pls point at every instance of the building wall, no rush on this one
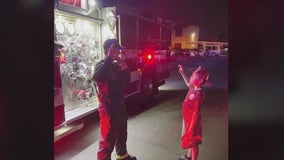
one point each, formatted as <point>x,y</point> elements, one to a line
<point>188,39</point>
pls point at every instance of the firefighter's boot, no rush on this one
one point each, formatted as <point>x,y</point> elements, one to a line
<point>126,156</point>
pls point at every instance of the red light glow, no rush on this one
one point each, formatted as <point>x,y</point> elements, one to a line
<point>149,57</point>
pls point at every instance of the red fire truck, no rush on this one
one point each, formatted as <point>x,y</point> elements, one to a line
<point>82,32</point>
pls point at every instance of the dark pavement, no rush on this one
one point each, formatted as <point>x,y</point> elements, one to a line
<point>154,131</point>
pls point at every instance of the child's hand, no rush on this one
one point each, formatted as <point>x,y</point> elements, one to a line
<point>180,68</point>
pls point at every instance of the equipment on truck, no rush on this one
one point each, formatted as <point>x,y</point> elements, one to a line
<point>82,32</point>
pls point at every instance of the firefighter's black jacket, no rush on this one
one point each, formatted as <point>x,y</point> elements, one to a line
<point>110,79</point>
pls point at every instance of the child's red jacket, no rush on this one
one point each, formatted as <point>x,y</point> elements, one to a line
<point>192,136</point>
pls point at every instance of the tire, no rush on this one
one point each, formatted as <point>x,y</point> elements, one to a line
<point>147,88</point>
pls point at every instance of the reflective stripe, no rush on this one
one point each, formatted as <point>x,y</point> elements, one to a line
<point>121,157</point>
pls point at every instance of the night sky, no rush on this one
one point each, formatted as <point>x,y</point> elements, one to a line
<point>210,16</point>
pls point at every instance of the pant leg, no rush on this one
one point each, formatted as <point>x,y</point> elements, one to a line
<point>107,135</point>
<point>120,144</point>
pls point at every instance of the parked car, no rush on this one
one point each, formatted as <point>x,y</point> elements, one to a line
<point>225,52</point>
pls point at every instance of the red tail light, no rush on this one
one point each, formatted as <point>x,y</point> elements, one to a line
<point>148,56</point>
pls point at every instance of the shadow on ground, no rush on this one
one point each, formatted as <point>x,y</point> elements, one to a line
<point>136,105</point>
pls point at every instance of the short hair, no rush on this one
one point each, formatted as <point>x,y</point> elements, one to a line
<point>109,42</point>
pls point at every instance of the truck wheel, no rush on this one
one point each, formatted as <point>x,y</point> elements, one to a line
<point>146,93</point>
<point>148,88</point>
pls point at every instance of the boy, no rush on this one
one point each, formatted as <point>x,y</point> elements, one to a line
<point>191,109</point>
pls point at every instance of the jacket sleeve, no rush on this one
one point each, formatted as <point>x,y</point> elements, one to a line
<point>101,70</point>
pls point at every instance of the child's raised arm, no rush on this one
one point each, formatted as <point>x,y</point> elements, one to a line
<point>184,76</point>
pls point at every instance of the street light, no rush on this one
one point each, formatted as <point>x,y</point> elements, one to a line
<point>192,38</point>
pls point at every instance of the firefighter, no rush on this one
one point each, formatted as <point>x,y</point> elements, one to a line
<point>110,76</point>
<point>191,111</point>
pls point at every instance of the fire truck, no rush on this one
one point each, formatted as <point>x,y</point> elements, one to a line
<point>82,28</point>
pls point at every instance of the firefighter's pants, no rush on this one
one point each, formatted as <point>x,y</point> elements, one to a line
<point>113,132</point>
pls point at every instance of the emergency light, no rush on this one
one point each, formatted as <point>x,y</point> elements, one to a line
<point>148,55</point>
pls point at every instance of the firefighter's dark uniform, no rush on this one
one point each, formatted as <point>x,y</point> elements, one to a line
<point>110,79</point>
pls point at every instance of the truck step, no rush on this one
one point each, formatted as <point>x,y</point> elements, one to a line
<point>66,130</point>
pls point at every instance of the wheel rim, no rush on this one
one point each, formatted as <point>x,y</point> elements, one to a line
<point>148,87</point>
